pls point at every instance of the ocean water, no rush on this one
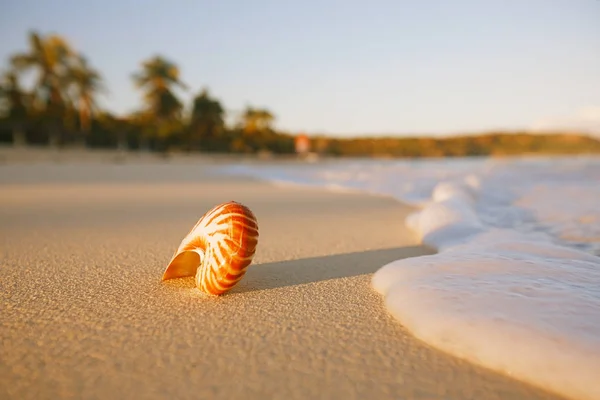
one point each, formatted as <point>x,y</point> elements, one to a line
<point>515,285</point>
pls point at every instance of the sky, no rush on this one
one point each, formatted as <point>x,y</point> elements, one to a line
<point>346,68</point>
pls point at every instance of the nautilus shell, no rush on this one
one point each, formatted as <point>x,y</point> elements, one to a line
<point>218,249</point>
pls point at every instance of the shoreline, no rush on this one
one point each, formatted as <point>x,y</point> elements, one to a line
<point>88,317</point>
<point>40,154</point>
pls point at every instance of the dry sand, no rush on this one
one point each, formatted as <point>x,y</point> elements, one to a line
<point>84,315</point>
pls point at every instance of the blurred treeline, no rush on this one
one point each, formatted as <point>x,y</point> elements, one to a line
<point>495,144</point>
<point>61,109</point>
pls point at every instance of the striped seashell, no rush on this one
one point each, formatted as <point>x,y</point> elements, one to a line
<point>218,249</point>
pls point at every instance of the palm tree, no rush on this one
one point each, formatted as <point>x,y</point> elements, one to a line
<point>49,56</point>
<point>86,82</point>
<point>254,131</point>
<point>158,78</point>
<point>16,101</point>
<point>207,120</point>
<point>256,120</point>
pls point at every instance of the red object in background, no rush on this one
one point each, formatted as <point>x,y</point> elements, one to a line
<point>302,144</point>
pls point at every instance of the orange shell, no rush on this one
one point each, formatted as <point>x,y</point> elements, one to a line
<point>218,249</point>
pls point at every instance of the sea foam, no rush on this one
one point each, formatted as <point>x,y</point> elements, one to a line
<point>506,300</point>
<point>515,285</point>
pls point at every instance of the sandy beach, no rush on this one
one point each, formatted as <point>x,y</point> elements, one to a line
<point>84,315</point>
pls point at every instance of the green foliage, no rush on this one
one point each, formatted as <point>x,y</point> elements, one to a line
<point>85,83</point>
<point>496,144</point>
<point>63,78</point>
<point>49,57</point>
<point>14,100</point>
<point>207,126</point>
<point>256,120</point>
<point>157,79</point>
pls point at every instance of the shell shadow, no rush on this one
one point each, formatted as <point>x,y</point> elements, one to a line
<point>315,269</point>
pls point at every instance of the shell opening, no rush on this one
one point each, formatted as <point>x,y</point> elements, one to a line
<point>183,264</point>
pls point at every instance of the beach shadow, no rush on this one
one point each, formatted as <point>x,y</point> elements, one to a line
<point>316,269</point>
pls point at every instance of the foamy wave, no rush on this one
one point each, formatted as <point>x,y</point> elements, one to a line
<point>449,219</point>
<point>499,298</point>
